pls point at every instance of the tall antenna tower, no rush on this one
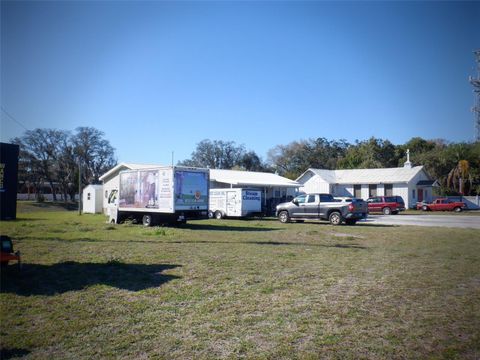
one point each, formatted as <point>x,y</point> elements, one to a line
<point>475,81</point>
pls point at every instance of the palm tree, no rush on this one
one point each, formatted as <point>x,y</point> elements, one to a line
<point>459,178</point>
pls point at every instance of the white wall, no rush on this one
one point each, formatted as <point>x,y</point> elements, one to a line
<point>315,185</point>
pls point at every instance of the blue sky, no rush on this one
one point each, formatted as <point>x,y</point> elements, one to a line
<point>158,77</point>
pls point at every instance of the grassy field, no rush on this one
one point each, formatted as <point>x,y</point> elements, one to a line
<point>238,289</point>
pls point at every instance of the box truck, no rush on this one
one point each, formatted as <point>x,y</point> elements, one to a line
<point>162,195</point>
<point>234,203</point>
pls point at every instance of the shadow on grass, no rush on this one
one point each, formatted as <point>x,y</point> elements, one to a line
<point>35,279</point>
<point>269,243</point>
<point>12,353</point>
<point>226,227</point>
<point>60,205</point>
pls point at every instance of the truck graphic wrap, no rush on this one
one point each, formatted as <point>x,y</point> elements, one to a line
<point>191,190</point>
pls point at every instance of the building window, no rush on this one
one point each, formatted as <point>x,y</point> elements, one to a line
<point>388,189</point>
<point>88,196</point>
<point>372,190</point>
<point>413,194</point>
<point>106,194</point>
<point>357,191</point>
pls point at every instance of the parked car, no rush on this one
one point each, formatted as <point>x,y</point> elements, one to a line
<point>322,207</point>
<point>386,204</point>
<point>442,204</point>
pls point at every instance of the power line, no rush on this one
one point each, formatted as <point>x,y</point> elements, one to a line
<point>11,117</point>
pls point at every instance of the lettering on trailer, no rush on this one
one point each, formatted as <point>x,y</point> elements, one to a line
<point>252,195</point>
<point>218,193</point>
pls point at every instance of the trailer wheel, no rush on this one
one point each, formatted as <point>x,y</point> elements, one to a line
<point>147,220</point>
<point>335,218</point>
<point>218,215</point>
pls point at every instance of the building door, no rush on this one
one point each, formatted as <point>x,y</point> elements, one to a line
<point>420,195</point>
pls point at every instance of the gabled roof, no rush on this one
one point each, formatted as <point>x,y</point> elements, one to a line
<point>366,176</point>
<point>250,178</point>
<point>125,166</point>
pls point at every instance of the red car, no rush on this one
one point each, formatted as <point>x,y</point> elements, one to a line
<point>386,204</point>
<point>443,204</point>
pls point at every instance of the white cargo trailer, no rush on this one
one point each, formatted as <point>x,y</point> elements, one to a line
<point>160,195</point>
<point>234,203</point>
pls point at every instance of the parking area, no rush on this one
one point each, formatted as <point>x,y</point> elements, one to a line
<point>451,221</point>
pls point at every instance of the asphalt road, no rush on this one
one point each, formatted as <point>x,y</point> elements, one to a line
<point>452,221</point>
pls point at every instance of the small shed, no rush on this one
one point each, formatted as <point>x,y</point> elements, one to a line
<point>92,199</point>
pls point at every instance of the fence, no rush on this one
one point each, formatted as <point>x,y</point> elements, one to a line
<point>47,197</point>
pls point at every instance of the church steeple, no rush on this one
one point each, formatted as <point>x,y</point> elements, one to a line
<point>408,164</point>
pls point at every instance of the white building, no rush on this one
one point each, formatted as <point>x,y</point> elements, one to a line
<point>413,184</point>
<point>92,199</point>
<point>274,188</point>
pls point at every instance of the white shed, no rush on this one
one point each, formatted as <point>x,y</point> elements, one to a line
<point>92,199</point>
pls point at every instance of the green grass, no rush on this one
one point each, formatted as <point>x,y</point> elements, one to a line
<point>238,289</point>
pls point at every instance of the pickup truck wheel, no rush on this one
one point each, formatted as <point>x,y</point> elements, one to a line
<point>335,218</point>
<point>283,217</point>
<point>424,208</point>
<point>147,220</point>
<point>350,222</point>
<point>386,211</point>
<point>218,215</point>
<point>457,209</point>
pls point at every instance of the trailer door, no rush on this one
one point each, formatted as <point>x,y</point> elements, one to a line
<point>232,203</point>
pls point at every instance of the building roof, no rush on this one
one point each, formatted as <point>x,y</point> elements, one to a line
<point>250,178</point>
<point>366,176</point>
<point>125,166</point>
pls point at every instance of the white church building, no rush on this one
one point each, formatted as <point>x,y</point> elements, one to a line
<point>413,184</point>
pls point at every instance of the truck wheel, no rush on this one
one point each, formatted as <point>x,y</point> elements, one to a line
<point>283,217</point>
<point>335,218</point>
<point>218,215</point>
<point>424,208</point>
<point>386,211</point>
<point>457,209</point>
<point>210,214</point>
<point>350,222</point>
<point>147,220</point>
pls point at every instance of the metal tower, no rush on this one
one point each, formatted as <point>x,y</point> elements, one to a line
<point>475,81</point>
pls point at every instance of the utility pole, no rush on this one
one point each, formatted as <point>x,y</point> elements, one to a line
<point>79,188</point>
<point>475,81</point>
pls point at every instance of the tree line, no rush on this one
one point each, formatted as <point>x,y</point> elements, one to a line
<point>456,166</point>
<point>56,157</point>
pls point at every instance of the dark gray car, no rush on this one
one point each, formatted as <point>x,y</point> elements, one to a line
<point>322,207</point>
